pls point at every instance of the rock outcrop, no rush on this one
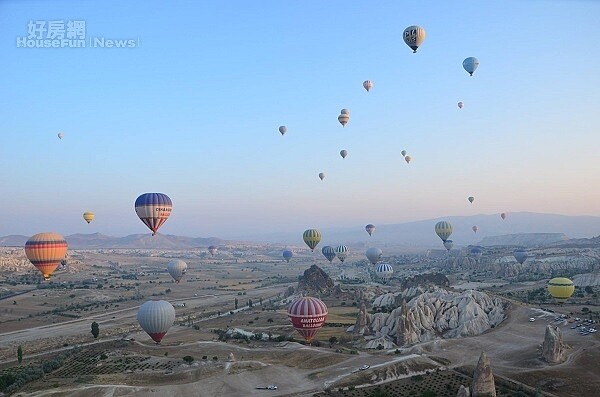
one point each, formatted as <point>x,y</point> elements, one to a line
<point>362,321</point>
<point>483,379</point>
<point>438,313</point>
<point>463,392</point>
<point>553,347</point>
<point>315,282</point>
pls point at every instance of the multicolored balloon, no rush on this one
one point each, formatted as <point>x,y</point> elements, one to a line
<point>307,316</point>
<point>153,209</point>
<point>343,119</point>
<point>368,84</point>
<point>177,269</point>
<point>342,252</point>
<point>443,229</point>
<point>283,129</point>
<point>344,153</point>
<point>370,228</point>
<point>561,288</point>
<point>374,255</point>
<point>213,250</point>
<point>414,36</point>
<point>88,216</point>
<point>287,255</point>
<point>328,253</point>
<point>311,237</point>
<point>45,251</point>
<point>471,64</point>
<point>156,317</point>
<point>384,271</point>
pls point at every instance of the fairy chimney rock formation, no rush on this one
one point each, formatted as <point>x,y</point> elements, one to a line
<point>483,379</point>
<point>553,347</point>
<point>463,392</point>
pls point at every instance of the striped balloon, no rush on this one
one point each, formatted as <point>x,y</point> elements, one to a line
<point>367,85</point>
<point>153,209</point>
<point>341,252</point>
<point>443,229</point>
<point>156,317</point>
<point>384,271</point>
<point>311,238</point>
<point>307,316</point>
<point>45,251</point>
<point>88,216</point>
<point>329,253</point>
<point>177,269</point>
<point>561,288</point>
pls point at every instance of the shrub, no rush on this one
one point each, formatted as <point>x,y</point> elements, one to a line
<point>188,359</point>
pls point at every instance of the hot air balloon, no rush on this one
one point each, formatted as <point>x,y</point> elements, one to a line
<point>460,105</point>
<point>177,269</point>
<point>156,317</point>
<point>448,244</point>
<point>470,64</point>
<point>443,229</point>
<point>341,252</point>
<point>471,199</point>
<point>370,228</point>
<point>407,159</point>
<point>329,253</point>
<point>477,253</point>
<point>373,255</point>
<point>153,209</point>
<point>343,119</point>
<point>311,238</point>
<point>88,216</point>
<point>403,153</point>
<point>307,316</point>
<point>45,251</point>
<point>520,255</point>
<point>287,255</point>
<point>321,175</point>
<point>60,135</point>
<point>283,129</point>
<point>414,36</point>
<point>475,229</point>
<point>213,250</point>
<point>503,215</point>
<point>561,288</point>
<point>368,84</point>
<point>384,271</point>
<point>344,153</point>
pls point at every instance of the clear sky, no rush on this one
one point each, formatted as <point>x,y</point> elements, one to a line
<point>193,110</point>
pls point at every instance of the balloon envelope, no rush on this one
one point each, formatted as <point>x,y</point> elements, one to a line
<point>368,84</point>
<point>403,153</point>
<point>370,228</point>
<point>414,36</point>
<point>561,288</point>
<point>345,111</point>
<point>520,255</point>
<point>213,250</point>
<point>342,252</point>
<point>311,237</point>
<point>328,252</point>
<point>177,269</point>
<point>470,64</point>
<point>60,135</point>
<point>477,253</point>
<point>471,199</point>
<point>343,119</point>
<point>156,317</point>
<point>321,175</point>
<point>407,159</point>
<point>153,209</point>
<point>343,153</point>
<point>443,229</point>
<point>384,271</point>
<point>307,316</point>
<point>88,216</point>
<point>282,129</point>
<point>373,255</point>
<point>503,215</point>
<point>460,105</point>
<point>45,251</point>
<point>448,244</point>
<point>287,255</point>
<point>475,229</point>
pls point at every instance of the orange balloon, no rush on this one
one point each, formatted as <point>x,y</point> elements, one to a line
<point>45,251</point>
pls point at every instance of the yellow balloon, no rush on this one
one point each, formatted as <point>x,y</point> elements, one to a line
<point>561,288</point>
<point>88,216</point>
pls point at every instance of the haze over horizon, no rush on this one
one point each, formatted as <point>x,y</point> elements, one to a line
<point>193,110</point>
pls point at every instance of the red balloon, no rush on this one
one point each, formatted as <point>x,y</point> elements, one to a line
<point>307,316</point>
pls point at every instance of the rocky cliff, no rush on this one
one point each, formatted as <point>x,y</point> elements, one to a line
<point>553,347</point>
<point>315,282</point>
